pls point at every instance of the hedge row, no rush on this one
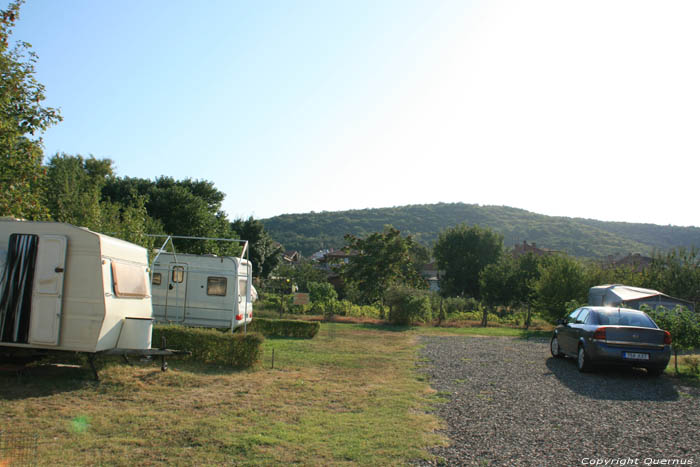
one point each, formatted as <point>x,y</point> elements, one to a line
<point>284,328</point>
<point>210,346</point>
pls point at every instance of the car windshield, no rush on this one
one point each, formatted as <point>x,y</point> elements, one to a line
<point>623,318</point>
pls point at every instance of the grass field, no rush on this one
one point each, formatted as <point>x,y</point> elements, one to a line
<point>350,395</point>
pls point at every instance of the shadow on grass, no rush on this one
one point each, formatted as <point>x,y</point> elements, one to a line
<point>51,378</point>
<point>44,380</point>
<point>613,383</point>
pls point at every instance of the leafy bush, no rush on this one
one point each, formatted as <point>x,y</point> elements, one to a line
<point>285,328</point>
<point>346,308</point>
<point>683,324</point>
<point>459,305</point>
<point>693,364</point>
<point>211,346</point>
<point>324,298</point>
<point>322,292</point>
<point>408,306</point>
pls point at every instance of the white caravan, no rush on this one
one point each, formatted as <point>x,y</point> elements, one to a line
<point>67,288</point>
<point>202,290</point>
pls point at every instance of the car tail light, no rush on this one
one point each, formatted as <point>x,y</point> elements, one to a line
<point>599,334</point>
<point>239,317</point>
<point>667,338</point>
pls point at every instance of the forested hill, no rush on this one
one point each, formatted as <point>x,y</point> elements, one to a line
<point>311,232</point>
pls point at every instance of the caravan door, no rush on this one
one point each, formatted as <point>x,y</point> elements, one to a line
<point>47,294</point>
<point>176,295</point>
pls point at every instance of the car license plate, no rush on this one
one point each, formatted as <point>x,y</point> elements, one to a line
<point>635,356</point>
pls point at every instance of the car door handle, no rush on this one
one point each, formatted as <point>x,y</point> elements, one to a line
<point>57,269</point>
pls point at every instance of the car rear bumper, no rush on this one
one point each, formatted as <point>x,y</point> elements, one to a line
<point>600,352</point>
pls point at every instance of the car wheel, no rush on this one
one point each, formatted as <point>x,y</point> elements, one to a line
<point>582,360</point>
<point>655,372</point>
<point>554,347</point>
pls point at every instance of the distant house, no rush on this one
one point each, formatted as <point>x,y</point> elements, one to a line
<point>318,256</point>
<point>326,259</point>
<point>291,257</point>
<point>633,297</point>
<point>431,274</point>
<point>525,248</point>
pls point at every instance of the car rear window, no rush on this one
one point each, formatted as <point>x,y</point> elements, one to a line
<point>623,318</point>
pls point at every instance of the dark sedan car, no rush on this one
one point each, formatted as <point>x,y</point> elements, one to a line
<point>616,336</point>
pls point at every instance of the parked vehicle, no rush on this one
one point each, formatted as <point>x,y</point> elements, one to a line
<point>615,336</point>
<point>202,290</point>
<point>68,288</point>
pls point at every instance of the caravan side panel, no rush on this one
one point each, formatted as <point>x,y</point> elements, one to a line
<point>83,306</point>
<point>210,292</point>
<point>127,291</point>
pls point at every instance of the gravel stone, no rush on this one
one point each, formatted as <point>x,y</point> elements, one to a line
<point>511,403</point>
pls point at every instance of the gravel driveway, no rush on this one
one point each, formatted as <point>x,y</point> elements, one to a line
<point>511,403</point>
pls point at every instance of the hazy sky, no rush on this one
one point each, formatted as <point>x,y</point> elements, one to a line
<point>571,108</point>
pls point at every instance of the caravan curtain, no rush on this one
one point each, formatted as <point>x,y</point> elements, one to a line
<point>16,285</point>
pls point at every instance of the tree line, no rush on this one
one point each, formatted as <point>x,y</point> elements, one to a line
<point>474,264</point>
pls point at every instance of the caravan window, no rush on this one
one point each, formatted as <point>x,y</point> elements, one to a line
<point>216,286</point>
<point>130,280</point>
<point>156,278</point>
<point>178,274</point>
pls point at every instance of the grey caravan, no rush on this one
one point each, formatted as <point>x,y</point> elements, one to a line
<point>202,290</point>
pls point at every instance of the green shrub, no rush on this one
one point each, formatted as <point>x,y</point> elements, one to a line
<point>683,324</point>
<point>458,305</point>
<point>211,346</point>
<point>408,306</point>
<point>346,308</point>
<point>692,362</point>
<point>322,292</point>
<point>285,328</point>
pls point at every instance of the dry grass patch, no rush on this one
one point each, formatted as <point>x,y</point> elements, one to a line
<point>350,395</point>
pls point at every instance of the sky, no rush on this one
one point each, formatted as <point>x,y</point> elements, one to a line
<point>565,108</point>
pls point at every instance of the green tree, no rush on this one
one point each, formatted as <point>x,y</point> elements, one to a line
<point>676,273</point>
<point>511,282</point>
<point>73,194</point>
<point>463,252</point>
<point>528,273</point>
<point>561,280</point>
<point>22,119</point>
<point>497,282</point>
<point>683,324</point>
<point>598,273</point>
<point>324,298</point>
<point>264,252</point>
<point>301,274</point>
<point>183,207</point>
<point>73,189</point>
<point>379,261</point>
